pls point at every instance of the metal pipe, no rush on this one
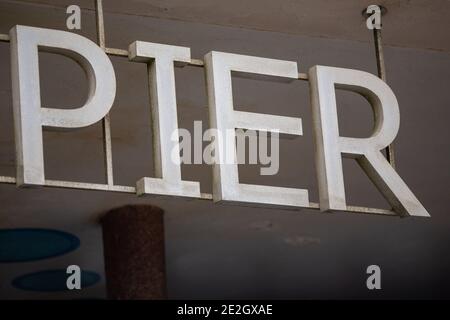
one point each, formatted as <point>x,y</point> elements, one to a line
<point>100,23</point>
<point>106,122</point>
<point>381,68</point>
<point>203,196</point>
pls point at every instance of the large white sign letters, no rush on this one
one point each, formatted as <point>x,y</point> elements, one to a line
<point>31,117</point>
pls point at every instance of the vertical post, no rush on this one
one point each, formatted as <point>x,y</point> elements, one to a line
<point>133,245</point>
<point>382,75</point>
<point>107,144</point>
<point>100,23</point>
<point>133,236</point>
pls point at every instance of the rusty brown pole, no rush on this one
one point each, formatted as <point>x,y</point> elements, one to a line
<point>133,244</point>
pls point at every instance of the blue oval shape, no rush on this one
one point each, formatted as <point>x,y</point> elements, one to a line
<point>30,244</point>
<point>52,280</point>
